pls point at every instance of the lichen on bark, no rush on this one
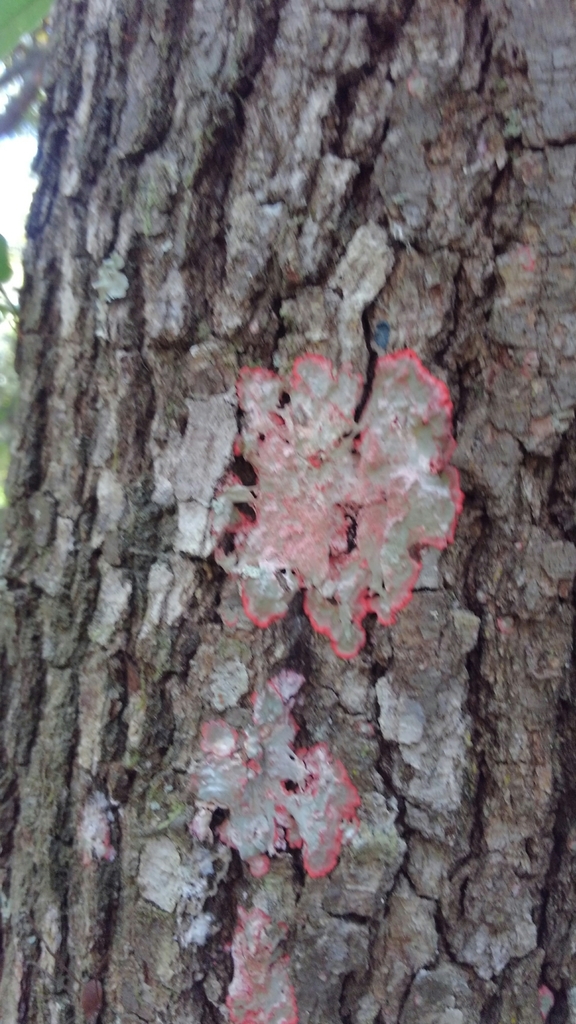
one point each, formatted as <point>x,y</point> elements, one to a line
<point>277,179</point>
<point>277,797</point>
<point>343,502</point>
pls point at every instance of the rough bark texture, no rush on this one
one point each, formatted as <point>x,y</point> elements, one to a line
<point>230,182</point>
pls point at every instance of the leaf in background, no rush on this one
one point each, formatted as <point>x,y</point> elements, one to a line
<point>18,17</point>
<point>5,268</point>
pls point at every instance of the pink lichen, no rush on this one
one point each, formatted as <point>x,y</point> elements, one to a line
<point>260,991</point>
<point>276,797</point>
<point>342,508</point>
<point>94,830</point>
<point>545,1000</point>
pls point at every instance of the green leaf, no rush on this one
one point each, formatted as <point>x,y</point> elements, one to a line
<point>18,17</point>
<point>5,268</point>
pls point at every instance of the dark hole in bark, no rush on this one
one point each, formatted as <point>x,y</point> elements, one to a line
<point>247,511</point>
<point>298,864</point>
<point>244,471</point>
<point>182,421</point>
<point>227,544</point>
<point>351,532</point>
<point>284,399</point>
<point>218,817</point>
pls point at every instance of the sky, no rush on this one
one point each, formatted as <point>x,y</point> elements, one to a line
<point>16,186</point>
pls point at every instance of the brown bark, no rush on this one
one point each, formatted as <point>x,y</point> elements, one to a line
<point>204,168</point>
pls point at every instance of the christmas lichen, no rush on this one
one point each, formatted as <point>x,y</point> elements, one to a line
<point>277,797</point>
<point>343,504</point>
<point>261,991</point>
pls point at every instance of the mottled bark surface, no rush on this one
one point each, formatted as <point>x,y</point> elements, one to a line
<point>226,183</point>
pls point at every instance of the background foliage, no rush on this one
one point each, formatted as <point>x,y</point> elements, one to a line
<point>17,17</point>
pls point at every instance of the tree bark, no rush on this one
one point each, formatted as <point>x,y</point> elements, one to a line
<point>203,170</point>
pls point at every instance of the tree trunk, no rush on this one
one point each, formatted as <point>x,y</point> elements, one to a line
<point>204,171</point>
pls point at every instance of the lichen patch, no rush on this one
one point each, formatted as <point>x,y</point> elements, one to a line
<point>341,508</point>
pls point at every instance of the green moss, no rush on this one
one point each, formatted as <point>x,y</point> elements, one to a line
<point>513,125</point>
<point>4,462</point>
<point>372,846</point>
<point>170,806</point>
<point>203,331</point>
<point>131,758</point>
<point>178,812</point>
<point>148,200</point>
